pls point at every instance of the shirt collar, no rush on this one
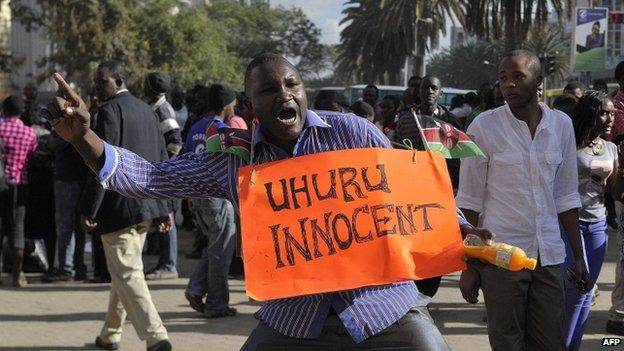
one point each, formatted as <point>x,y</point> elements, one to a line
<point>436,112</point>
<point>159,102</point>
<point>211,118</point>
<point>121,91</point>
<point>544,122</point>
<point>312,120</point>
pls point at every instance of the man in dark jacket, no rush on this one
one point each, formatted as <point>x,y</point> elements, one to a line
<point>430,93</point>
<point>125,121</point>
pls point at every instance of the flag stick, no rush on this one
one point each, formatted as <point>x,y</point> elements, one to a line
<point>422,134</point>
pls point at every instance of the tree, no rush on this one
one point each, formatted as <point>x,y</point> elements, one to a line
<point>256,28</point>
<point>195,44</point>
<point>467,66</point>
<point>546,41</point>
<point>83,33</point>
<point>510,20</point>
<point>380,34</point>
<point>160,35</point>
<point>184,42</point>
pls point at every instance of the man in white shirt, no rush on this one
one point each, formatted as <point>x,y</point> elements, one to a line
<point>526,186</point>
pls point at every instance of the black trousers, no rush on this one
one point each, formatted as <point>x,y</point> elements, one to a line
<point>414,331</point>
<point>12,215</point>
<point>99,259</point>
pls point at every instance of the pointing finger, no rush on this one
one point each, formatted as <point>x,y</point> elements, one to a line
<point>69,93</point>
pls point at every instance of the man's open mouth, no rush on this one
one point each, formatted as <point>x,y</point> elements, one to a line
<point>287,116</point>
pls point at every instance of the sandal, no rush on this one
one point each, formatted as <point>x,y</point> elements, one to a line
<point>20,282</point>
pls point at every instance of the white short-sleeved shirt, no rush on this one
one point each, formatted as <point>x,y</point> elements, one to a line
<point>524,183</point>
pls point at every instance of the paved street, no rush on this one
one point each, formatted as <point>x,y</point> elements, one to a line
<point>68,316</point>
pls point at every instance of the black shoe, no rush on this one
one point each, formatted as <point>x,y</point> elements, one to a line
<point>615,327</point>
<point>57,278</point>
<point>99,280</point>
<point>163,345</point>
<point>195,301</point>
<point>106,346</point>
<point>612,222</point>
<point>227,312</point>
<point>194,255</point>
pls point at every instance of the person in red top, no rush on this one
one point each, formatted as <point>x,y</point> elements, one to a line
<point>19,142</point>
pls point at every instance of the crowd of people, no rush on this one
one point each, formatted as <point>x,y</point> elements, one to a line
<point>119,167</point>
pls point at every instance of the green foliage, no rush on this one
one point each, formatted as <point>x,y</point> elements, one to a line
<point>257,28</point>
<point>184,42</point>
<point>546,41</point>
<point>380,34</point>
<point>84,33</point>
<point>510,20</point>
<point>195,44</point>
<point>467,66</point>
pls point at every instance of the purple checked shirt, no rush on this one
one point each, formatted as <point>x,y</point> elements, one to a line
<point>365,311</point>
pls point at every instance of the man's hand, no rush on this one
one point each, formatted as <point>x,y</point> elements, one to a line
<point>483,233</point>
<point>88,224</point>
<point>581,276</point>
<point>68,114</point>
<point>469,284</point>
<point>165,226</point>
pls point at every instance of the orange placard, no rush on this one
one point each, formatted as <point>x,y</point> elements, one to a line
<point>346,219</point>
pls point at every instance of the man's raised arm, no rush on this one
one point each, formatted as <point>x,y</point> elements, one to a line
<point>70,119</point>
<point>193,175</point>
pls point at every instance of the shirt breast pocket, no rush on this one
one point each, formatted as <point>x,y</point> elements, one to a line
<point>550,161</point>
<point>507,168</point>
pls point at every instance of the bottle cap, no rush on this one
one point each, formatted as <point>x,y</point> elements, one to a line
<point>473,240</point>
<point>530,263</point>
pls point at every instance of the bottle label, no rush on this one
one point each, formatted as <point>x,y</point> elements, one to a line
<point>503,257</point>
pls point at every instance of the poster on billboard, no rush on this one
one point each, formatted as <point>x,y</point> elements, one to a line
<point>590,38</point>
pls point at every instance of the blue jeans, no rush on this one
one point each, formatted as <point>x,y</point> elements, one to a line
<point>577,305</point>
<point>168,246</point>
<point>217,221</point>
<point>70,238</point>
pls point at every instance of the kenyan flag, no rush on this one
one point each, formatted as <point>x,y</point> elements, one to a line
<point>443,137</point>
<point>232,140</point>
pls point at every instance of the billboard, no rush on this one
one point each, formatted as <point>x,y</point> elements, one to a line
<point>590,39</point>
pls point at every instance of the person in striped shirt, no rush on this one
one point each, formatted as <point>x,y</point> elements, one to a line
<point>387,316</point>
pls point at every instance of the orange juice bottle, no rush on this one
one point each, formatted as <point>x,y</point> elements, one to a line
<point>500,254</point>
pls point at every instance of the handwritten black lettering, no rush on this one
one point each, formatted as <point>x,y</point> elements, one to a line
<point>351,173</point>
<point>383,181</point>
<point>269,190</point>
<point>360,239</point>
<point>385,219</point>
<point>331,193</point>
<point>316,231</point>
<point>303,189</point>
<point>343,244</point>
<point>278,258</point>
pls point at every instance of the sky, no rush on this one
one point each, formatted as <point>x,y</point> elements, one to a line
<point>326,14</point>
